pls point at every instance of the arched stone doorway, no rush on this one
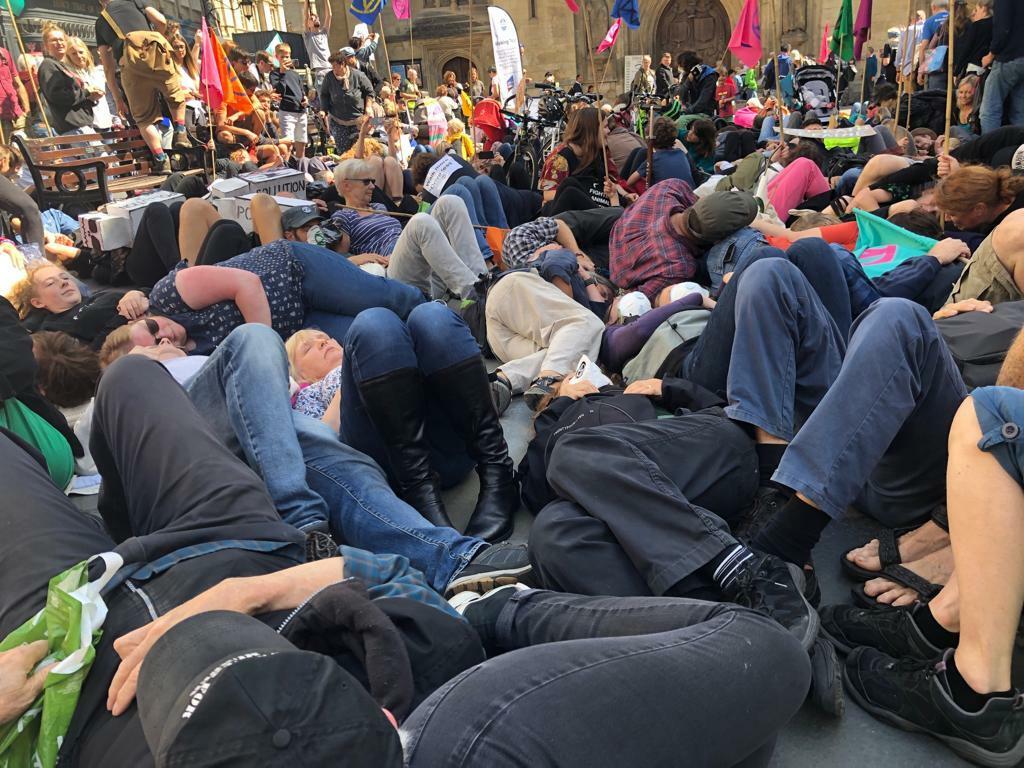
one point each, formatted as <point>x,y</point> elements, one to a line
<point>699,25</point>
<point>459,65</point>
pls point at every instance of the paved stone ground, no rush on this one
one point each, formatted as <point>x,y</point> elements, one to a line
<point>812,739</point>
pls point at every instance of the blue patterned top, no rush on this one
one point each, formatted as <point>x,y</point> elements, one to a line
<point>279,271</point>
<point>313,400</point>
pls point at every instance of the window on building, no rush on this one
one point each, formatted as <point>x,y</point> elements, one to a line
<point>533,9</point>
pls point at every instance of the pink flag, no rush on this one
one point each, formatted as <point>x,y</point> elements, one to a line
<point>611,36</point>
<point>861,28</point>
<point>401,9</point>
<point>209,74</point>
<point>745,43</point>
<point>823,53</point>
<point>572,6</point>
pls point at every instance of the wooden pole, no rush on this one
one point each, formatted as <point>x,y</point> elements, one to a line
<point>31,74</point>
<point>593,76</point>
<point>912,35</point>
<point>778,94</point>
<point>950,93</point>
<point>384,45</point>
<point>863,84</point>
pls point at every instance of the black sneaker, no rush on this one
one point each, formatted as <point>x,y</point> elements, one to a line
<point>493,566</point>
<point>914,695</point>
<point>826,678</point>
<point>775,588</point>
<point>767,502</point>
<point>884,628</point>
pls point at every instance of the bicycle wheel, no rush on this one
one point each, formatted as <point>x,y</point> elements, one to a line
<point>527,155</point>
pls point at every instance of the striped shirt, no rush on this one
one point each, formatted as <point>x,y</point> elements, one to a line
<point>369,233</point>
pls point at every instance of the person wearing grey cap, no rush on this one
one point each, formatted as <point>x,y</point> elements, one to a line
<point>661,239</point>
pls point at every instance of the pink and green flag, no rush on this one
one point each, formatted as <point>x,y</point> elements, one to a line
<point>883,246</point>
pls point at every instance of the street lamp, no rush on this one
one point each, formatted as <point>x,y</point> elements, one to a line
<point>248,9</point>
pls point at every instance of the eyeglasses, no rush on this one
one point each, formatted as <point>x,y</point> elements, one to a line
<point>364,182</point>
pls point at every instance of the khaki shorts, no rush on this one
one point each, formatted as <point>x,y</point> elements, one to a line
<point>147,73</point>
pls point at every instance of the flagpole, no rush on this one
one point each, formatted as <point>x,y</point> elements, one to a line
<point>469,13</point>
<point>384,45</point>
<point>593,76</point>
<point>31,74</point>
<point>950,98</point>
<point>912,33</point>
<point>778,92</point>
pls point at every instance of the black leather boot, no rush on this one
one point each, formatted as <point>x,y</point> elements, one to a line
<point>395,403</point>
<point>464,392</point>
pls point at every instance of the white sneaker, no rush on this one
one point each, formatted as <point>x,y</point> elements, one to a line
<point>460,601</point>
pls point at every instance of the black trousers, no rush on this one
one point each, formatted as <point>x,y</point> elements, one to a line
<point>148,442</point>
<point>155,248</point>
<point>643,506</point>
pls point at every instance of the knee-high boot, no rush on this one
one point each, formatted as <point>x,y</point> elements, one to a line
<point>395,403</point>
<point>464,392</point>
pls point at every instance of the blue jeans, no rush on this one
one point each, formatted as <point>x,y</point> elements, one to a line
<point>867,422</point>
<point>335,290</point>
<point>848,181</point>
<point>242,393</point>
<point>1000,412</point>
<point>1005,81</point>
<point>365,513</point>
<point>556,648</point>
<point>708,362</point>
<point>379,342</point>
<point>486,198</point>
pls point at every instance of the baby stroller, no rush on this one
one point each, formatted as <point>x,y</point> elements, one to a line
<point>816,89</point>
<point>488,118</point>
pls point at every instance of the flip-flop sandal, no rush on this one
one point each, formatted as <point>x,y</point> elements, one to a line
<point>899,574</point>
<point>841,205</point>
<point>888,553</point>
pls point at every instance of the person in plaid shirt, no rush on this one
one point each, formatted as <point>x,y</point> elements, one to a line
<point>661,238</point>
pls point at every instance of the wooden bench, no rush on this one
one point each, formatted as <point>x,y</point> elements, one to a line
<point>81,172</point>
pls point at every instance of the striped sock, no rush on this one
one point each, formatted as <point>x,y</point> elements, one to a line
<point>728,565</point>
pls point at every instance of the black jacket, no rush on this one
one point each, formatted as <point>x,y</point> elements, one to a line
<point>1007,24</point>
<point>69,105</point>
<point>662,81</point>
<point>699,95</point>
<point>610,406</point>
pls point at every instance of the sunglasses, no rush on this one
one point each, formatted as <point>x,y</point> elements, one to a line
<point>153,327</point>
<point>364,182</point>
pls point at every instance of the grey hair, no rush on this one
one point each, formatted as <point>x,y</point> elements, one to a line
<point>353,168</point>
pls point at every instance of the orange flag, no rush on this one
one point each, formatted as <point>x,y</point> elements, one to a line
<point>235,97</point>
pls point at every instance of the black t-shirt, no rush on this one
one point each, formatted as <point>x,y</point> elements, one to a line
<point>288,83</point>
<point>129,15</point>
<point>889,70</point>
<point>88,321</point>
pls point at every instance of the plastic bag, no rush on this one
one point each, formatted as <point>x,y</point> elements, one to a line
<point>71,623</point>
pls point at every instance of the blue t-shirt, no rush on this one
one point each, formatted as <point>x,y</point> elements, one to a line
<point>669,164</point>
<point>369,233</point>
<point>931,25</point>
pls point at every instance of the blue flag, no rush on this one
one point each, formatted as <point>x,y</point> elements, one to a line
<point>628,11</point>
<point>367,11</point>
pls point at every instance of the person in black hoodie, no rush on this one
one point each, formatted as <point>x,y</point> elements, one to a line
<point>292,107</point>
<point>69,104</point>
<point>697,90</point>
<point>663,77</point>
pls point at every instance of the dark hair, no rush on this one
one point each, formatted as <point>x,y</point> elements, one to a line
<point>664,133</point>
<point>688,60</point>
<point>67,369</point>
<point>419,166</point>
<point>337,58</point>
<point>885,92</point>
<point>236,54</point>
<point>355,42</point>
<point>808,148</point>
<point>248,80</point>
<point>704,130</point>
<point>423,133</point>
<point>264,58</point>
<point>784,47</point>
<point>584,130</point>
<point>919,222</point>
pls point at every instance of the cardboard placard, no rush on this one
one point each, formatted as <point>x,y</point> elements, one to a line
<point>439,174</point>
<point>103,232</point>
<point>272,182</point>
<point>133,207</point>
<point>239,208</point>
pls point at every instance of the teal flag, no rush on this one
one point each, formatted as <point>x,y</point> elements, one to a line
<point>842,35</point>
<point>882,246</point>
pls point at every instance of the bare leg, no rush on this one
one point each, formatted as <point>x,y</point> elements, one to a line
<point>986,525</point>
<point>300,149</point>
<point>877,168</point>
<point>266,218</point>
<point>394,182</point>
<point>197,216</point>
<point>152,137</point>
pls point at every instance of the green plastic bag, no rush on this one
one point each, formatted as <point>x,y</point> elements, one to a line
<point>71,623</point>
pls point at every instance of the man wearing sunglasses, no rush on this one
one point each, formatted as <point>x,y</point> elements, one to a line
<point>435,252</point>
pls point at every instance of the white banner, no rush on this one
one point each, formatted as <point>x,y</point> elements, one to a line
<point>507,60</point>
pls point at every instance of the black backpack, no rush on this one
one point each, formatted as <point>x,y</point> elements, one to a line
<point>473,311</point>
<point>979,341</point>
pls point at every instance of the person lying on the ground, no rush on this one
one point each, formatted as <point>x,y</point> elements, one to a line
<point>434,252</point>
<point>313,478</point>
<point>49,299</point>
<point>284,284</point>
<point>661,238</point>
<point>415,397</point>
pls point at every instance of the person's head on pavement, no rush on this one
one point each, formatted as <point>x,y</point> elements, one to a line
<point>298,220</point>
<point>715,217</point>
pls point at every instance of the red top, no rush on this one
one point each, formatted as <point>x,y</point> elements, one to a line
<point>725,93</point>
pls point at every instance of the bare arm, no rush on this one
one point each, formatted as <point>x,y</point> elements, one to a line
<point>200,287</point>
<point>1011,374</point>
<point>565,237</point>
<point>252,595</point>
<point>22,94</point>
<point>157,19</point>
<point>328,16</point>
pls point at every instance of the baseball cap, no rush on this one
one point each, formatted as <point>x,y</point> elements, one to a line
<point>633,305</point>
<point>298,216</point>
<point>720,214</point>
<point>347,51</point>
<point>225,689</point>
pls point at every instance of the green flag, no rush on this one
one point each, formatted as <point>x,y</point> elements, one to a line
<point>842,35</point>
<point>883,246</point>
